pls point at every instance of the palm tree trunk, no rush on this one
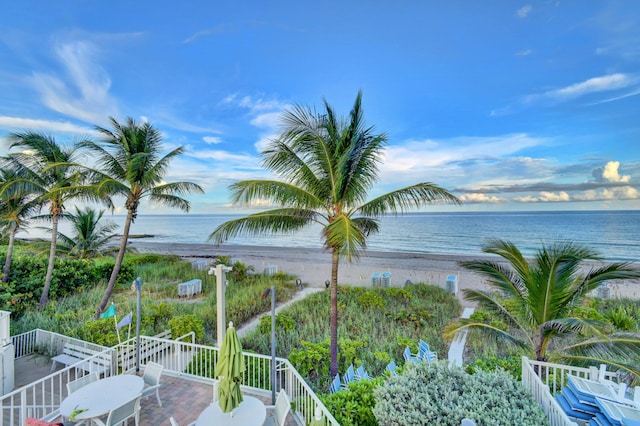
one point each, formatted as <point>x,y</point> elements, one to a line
<point>333,323</point>
<point>117,266</point>
<point>7,261</point>
<point>52,258</point>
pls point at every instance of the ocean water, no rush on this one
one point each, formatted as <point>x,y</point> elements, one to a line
<point>614,234</point>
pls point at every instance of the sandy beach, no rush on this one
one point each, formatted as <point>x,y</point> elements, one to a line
<point>313,266</point>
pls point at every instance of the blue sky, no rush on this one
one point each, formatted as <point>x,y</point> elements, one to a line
<point>511,105</point>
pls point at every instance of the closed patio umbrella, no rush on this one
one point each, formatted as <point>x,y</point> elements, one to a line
<point>230,367</point>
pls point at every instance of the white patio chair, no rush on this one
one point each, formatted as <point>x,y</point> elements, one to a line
<point>173,422</point>
<point>280,410</point>
<point>121,414</point>
<point>151,377</point>
<point>81,381</point>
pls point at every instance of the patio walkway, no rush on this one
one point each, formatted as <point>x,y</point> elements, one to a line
<point>182,398</point>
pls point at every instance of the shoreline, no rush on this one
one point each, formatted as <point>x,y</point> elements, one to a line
<point>313,265</point>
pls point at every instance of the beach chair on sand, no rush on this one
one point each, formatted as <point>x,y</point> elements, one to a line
<point>336,385</point>
<point>409,357</point>
<point>361,374</point>
<point>349,376</point>
<point>425,353</point>
<point>391,368</point>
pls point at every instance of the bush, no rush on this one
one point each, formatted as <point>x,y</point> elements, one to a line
<point>435,394</point>
<point>284,323</point>
<point>184,324</point>
<point>354,406</point>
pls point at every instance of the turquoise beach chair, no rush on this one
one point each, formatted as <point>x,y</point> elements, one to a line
<point>349,376</point>
<point>409,357</point>
<point>391,368</point>
<point>335,385</point>
<point>361,374</point>
<point>425,353</point>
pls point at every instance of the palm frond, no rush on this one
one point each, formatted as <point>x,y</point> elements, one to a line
<point>499,276</point>
<point>271,221</point>
<point>490,332</point>
<point>345,235</point>
<point>494,305</point>
<point>402,199</point>
<point>248,191</point>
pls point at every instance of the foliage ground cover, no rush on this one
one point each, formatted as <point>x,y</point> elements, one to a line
<point>437,394</point>
<point>375,327</point>
<point>71,313</point>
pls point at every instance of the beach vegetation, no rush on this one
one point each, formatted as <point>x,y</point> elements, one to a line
<point>438,394</point>
<point>328,166</point>
<point>184,324</point>
<point>91,236</point>
<point>51,173</point>
<point>131,165</point>
<point>371,340</point>
<point>354,406</point>
<point>537,299</point>
<point>16,207</point>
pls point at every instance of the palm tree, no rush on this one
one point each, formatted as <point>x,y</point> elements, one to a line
<point>129,158</point>
<point>90,237</point>
<point>536,298</point>
<point>51,174</point>
<point>328,165</point>
<point>15,210</point>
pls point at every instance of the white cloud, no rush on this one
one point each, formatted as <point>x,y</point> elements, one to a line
<point>84,92</point>
<point>524,11</point>
<point>545,197</point>
<point>610,173</point>
<point>592,85</point>
<point>264,141</point>
<point>212,140</point>
<point>608,194</point>
<point>526,52</point>
<point>270,120</point>
<point>481,198</point>
<point>18,124</point>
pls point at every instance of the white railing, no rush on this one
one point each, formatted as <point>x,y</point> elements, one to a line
<point>42,397</point>
<point>545,379</point>
<point>180,359</point>
<point>197,362</point>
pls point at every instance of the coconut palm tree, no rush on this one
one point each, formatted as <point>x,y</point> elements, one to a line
<point>16,208</point>
<point>129,158</point>
<point>328,166</point>
<point>90,238</point>
<point>537,297</point>
<point>50,173</point>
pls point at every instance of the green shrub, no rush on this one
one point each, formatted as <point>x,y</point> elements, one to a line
<point>354,406</point>
<point>622,320</point>
<point>183,324</point>
<point>511,364</point>
<point>371,300</point>
<point>284,323</point>
<point>435,394</point>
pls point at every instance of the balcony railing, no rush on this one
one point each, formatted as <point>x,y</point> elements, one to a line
<point>179,358</point>
<point>545,379</point>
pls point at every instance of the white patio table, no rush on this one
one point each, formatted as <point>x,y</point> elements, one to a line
<point>102,396</point>
<point>250,412</point>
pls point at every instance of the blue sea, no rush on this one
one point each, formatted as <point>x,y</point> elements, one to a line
<point>614,234</point>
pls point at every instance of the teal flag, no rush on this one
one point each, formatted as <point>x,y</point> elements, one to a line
<point>109,312</point>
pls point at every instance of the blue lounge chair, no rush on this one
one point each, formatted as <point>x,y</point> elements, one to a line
<point>361,374</point>
<point>391,368</point>
<point>409,357</point>
<point>425,353</point>
<point>335,385</point>
<point>349,376</point>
